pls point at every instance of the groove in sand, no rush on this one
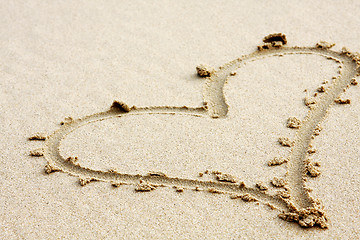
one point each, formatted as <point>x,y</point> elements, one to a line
<point>297,206</point>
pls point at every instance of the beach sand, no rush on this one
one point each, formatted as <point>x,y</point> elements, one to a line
<point>192,159</point>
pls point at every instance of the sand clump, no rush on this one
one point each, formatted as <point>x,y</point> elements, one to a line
<point>143,186</point>
<point>121,106</point>
<point>311,150</point>
<point>286,142</point>
<point>85,181</point>
<point>293,122</point>
<point>309,101</point>
<point>354,82</point>
<point>324,45</point>
<point>261,186</point>
<point>321,89</point>
<point>245,197</point>
<point>214,190</point>
<point>204,70</point>
<point>284,193</point>
<point>178,189</point>
<point>38,136</point>
<point>277,161</point>
<point>275,37</point>
<point>278,182</point>
<point>116,184</point>
<point>72,159</point>
<point>275,40</point>
<point>317,130</point>
<point>342,101</point>
<point>224,177</point>
<point>37,152</point>
<point>50,169</point>
<point>308,217</point>
<point>312,169</point>
<point>67,120</point>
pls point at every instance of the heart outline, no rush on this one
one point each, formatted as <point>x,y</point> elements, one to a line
<point>300,207</point>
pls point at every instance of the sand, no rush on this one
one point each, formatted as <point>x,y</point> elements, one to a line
<point>110,132</point>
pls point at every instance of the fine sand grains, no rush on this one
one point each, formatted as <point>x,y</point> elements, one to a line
<point>293,200</point>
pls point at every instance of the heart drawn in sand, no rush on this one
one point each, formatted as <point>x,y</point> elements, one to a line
<point>292,200</point>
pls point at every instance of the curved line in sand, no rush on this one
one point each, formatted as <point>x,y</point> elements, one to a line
<point>216,107</point>
<point>214,97</point>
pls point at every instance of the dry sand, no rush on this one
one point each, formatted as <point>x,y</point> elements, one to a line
<point>267,137</point>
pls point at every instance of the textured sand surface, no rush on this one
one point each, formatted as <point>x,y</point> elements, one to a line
<point>61,59</point>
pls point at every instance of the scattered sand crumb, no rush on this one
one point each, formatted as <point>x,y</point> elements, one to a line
<point>67,120</point>
<point>345,50</point>
<point>84,181</point>
<point>267,46</point>
<point>245,197</point>
<point>37,152</point>
<point>156,173</point>
<point>38,136</point>
<point>321,89</point>
<point>342,101</point>
<point>178,189</point>
<point>204,70</point>
<point>235,196</point>
<point>277,161</point>
<point>50,169</point>
<point>72,159</point>
<point>309,101</point>
<point>278,182</point>
<point>286,142</point>
<point>354,82</point>
<point>261,186</point>
<point>116,184</point>
<point>123,107</point>
<point>324,45</point>
<point>284,194</point>
<point>293,122</point>
<point>317,130</point>
<point>214,190</point>
<point>198,189</point>
<point>224,177</point>
<point>311,150</point>
<point>201,174</point>
<point>144,187</point>
<point>248,198</point>
<point>233,73</point>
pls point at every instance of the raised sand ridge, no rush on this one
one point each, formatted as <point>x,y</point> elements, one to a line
<point>293,200</point>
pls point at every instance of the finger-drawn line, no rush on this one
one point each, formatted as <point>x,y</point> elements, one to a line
<point>293,201</point>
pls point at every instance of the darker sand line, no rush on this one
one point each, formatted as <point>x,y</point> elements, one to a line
<point>294,201</point>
